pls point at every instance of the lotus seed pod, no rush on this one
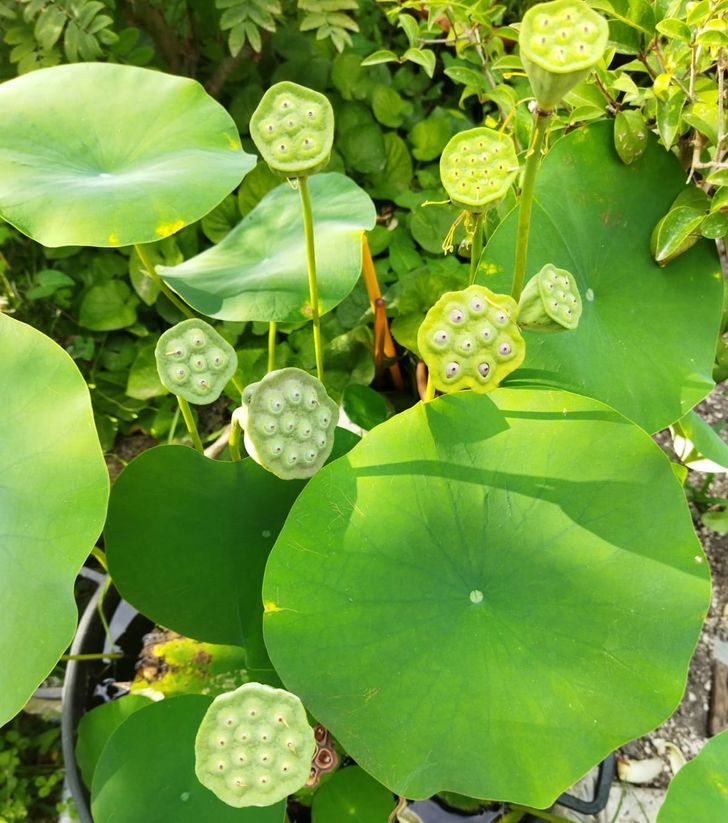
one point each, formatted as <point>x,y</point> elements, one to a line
<point>254,746</point>
<point>469,340</point>
<point>550,301</point>
<point>560,42</point>
<point>293,129</point>
<point>478,166</point>
<point>290,423</point>
<point>194,361</point>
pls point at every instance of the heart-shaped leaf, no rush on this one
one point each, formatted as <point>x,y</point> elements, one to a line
<point>258,271</point>
<point>483,575</point>
<point>699,792</point>
<point>646,339</point>
<point>97,154</point>
<point>53,492</point>
<point>147,771</point>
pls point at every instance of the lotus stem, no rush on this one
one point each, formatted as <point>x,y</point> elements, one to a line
<point>533,160</point>
<point>190,423</point>
<point>311,265</point>
<point>161,285</point>
<point>476,249</point>
<point>272,329</point>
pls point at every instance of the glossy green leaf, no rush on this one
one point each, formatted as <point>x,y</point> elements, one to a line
<point>68,176</point>
<point>53,496</point>
<point>364,406</point>
<point>715,225</point>
<point>630,135</point>
<point>96,727</point>
<point>593,216</point>
<point>474,549</point>
<point>352,794</point>
<point>424,58</point>
<point>258,271</point>
<point>380,56</point>
<point>669,115</point>
<point>675,233</point>
<point>699,791</point>
<point>147,771</point>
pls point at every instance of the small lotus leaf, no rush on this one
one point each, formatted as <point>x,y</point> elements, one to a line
<point>289,423</point>
<point>550,301</point>
<point>469,339</point>
<point>254,746</point>
<point>478,166</point>
<point>194,361</point>
<point>293,129</point>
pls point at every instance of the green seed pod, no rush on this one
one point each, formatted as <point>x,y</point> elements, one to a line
<point>293,129</point>
<point>560,42</point>
<point>254,746</point>
<point>194,361</point>
<point>477,167</point>
<point>290,423</point>
<point>550,301</point>
<point>469,340</point>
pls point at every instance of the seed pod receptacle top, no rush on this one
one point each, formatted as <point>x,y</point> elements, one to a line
<point>478,166</point>
<point>289,422</point>
<point>550,301</point>
<point>469,340</point>
<point>560,44</point>
<point>254,746</point>
<point>194,361</point>
<point>293,129</point>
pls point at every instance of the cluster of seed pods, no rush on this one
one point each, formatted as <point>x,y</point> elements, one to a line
<point>550,301</point>
<point>194,361</point>
<point>289,423</point>
<point>293,129</point>
<point>254,746</point>
<point>478,166</point>
<point>469,339</point>
<point>326,758</point>
<point>560,44</point>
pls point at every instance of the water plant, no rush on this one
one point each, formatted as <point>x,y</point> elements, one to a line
<point>445,597</point>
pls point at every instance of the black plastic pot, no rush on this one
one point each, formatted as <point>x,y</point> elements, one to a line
<point>86,682</point>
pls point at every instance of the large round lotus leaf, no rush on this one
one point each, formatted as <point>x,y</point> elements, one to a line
<point>53,491</point>
<point>258,271</point>
<point>646,338</point>
<point>97,154</point>
<point>147,771</point>
<point>490,583</point>
<point>699,791</point>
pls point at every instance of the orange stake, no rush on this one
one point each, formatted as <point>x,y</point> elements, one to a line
<point>375,294</point>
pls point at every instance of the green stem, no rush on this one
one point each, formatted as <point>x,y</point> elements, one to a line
<point>513,816</point>
<point>96,656</point>
<point>161,285</point>
<point>234,441</point>
<point>430,390</point>
<point>543,118</point>
<point>311,265</point>
<point>100,557</point>
<point>552,818</point>
<point>190,423</point>
<point>173,427</point>
<point>272,328</point>
<point>100,608</point>
<point>235,380</point>
<point>476,249</point>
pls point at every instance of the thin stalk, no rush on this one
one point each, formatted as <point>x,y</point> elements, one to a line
<point>514,816</point>
<point>476,249</point>
<point>100,556</point>
<point>235,380</point>
<point>163,287</point>
<point>311,266</point>
<point>190,423</point>
<point>430,390</point>
<point>95,656</point>
<point>543,118</point>
<point>234,440</point>
<point>380,324</point>
<point>173,427</point>
<point>100,608</point>
<point>272,329</point>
